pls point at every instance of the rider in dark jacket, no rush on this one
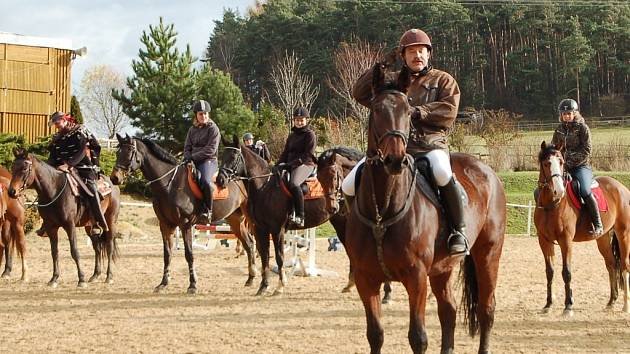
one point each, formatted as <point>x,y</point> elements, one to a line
<point>74,146</point>
<point>260,148</point>
<point>573,138</point>
<point>201,147</point>
<point>299,157</point>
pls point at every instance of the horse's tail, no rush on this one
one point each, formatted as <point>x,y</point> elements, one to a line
<point>470,295</point>
<point>103,243</point>
<point>614,244</point>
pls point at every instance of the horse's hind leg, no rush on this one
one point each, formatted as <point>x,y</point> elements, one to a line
<point>262,243</point>
<point>623,234</point>
<point>548,252</point>
<point>239,226</point>
<point>605,247</point>
<point>5,250</point>
<point>446,309</point>
<point>97,245</point>
<point>368,290</point>
<point>188,252</point>
<point>53,237</point>
<point>387,293</point>
<point>278,245</point>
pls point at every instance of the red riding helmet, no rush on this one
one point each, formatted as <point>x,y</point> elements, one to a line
<point>412,37</point>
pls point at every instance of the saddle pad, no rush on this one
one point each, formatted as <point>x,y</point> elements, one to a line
<point>104,186</point>
<point>315,189</point>
<point>217,192</point>
<point>597,192</point>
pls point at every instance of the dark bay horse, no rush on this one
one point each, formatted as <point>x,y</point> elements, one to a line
<point>395,233</point>
<point>269,206</point>
<point>333,165</point>
<point>12,219</point>
<point>174,202</point>
<point>559,221</point>
<point>58,207</point>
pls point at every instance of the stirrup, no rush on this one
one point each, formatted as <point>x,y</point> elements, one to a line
<point>458,250</point>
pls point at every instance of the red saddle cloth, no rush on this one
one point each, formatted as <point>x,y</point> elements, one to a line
<point>315,189</point>
<point>217,192</point>
<point>597,192</point>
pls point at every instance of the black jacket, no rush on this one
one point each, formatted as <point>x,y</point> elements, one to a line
<point>300,147</point>
<point>74,147</point>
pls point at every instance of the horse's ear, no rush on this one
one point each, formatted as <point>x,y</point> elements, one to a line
<point>378,77</point>
<point>543,146</point>
<point>404,80</point>
<point>235,140</point>
<point>224,142</point>
<point>333,158</point>
<point>19,152</point>
<point>119,137</point>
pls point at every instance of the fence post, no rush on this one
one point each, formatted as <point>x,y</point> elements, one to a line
<point>529,218</point>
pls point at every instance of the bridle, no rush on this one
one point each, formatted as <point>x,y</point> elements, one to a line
<point>26,177</point>
<point>133,159</point>
<point>378,155</point>
<point>547,184</point>
<point>231,172</point>
<point>336,194</point>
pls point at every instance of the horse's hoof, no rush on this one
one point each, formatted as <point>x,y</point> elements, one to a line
<point>249,281</point>
<point>192,291</point>
<point>93,278</point>
<point>82,284</point>
<point>158,289</point>
<point>109,281</point>
<point>53,284</point>
<point>278,292</point>
<point>567,313</point>
<point>626,309</point>
<point>545,310</point>
<point>386,301</point>
<point>261,291</point>
<point>346,289</point>
<point>25,279</point>
<point>5,276</point>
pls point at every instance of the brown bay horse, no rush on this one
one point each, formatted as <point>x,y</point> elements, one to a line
<point>12,219</point>
<point>58,207</point>
<point>395,233</point>
<point>269,206</point>
<point>559,221</point>
<point>333,165</point>
<point>175,204</point>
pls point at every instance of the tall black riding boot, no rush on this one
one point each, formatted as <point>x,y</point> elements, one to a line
<point>593,210</point>
<point>95,205</point>
<point>206,215</point>
<point>457,242</point>
<point>298,206</point>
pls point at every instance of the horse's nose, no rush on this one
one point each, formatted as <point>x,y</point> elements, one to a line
<point>12,193</point>
<point>335,209</point>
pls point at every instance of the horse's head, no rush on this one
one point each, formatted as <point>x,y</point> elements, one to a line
<point>551,173</point>
<point>389,120</point>
<point>22,171</point>
<point>330,175</point>
<point>232,162</point>
<point>127,159</point>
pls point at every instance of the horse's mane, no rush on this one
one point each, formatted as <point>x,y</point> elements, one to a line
<point>549,150</point>
<point>347,152</point>
<point>159,151</point>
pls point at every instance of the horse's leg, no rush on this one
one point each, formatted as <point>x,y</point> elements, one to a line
<point>112,251</point>
<point>565,248</point>
<point>623,236</point>
<point>447,309</point>
<point>5,249</point>
<point>188,252</point>
<point>262,243</point>
<point>53,236</point>
<point>167,243</point>
<point>387,292</point>
<point>368,290</point>
<point>239,226</point>
<point>98,248</point>
<point>74,251</point>
<point>278,245</point>
<point>20,244</point>
<point>416,285</point>
<point>547,249</point>
<point>605,249</point>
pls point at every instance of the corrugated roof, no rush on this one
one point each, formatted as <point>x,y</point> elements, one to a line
<point>18,39</point>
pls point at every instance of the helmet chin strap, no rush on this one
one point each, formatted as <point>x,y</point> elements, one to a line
<point>422,72</point>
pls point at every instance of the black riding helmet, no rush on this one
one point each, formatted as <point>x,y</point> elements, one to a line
<point>567,105</point>
<point>201,106</point>
<point>301,112</point>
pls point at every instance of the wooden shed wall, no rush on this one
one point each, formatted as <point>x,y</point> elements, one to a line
<point>34,82</point>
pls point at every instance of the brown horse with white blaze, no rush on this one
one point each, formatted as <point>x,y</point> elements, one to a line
<point>559,221</point>
<point>396,233</point>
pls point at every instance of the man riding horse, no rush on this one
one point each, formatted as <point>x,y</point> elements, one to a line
<point>74,146</point>
<point>434,96</point>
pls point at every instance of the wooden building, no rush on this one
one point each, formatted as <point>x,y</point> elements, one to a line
<point>34,82</point>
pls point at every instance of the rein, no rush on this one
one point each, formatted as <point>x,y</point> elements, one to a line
<point>545,184</point>
<point>380,225</point>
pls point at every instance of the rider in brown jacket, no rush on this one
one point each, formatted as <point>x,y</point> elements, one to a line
<point>434,97</point>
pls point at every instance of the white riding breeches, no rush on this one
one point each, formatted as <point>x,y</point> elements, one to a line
<point>440,167</point>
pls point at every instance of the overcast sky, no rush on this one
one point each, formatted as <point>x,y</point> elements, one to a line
<point>111,29</point>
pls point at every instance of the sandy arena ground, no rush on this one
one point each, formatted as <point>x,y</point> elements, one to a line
<point>311,317</point>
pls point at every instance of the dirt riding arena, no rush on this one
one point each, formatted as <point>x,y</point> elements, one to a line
<point>311,317</point>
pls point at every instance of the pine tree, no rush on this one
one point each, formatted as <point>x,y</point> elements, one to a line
<point>75,109</point>
<point>578,52</point>
<point>162,88</point>
<point>228,108</point>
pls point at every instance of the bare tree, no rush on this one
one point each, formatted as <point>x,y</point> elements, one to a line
<point>292,87</point>
<point>351,60</point>
<point>101,111</point>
